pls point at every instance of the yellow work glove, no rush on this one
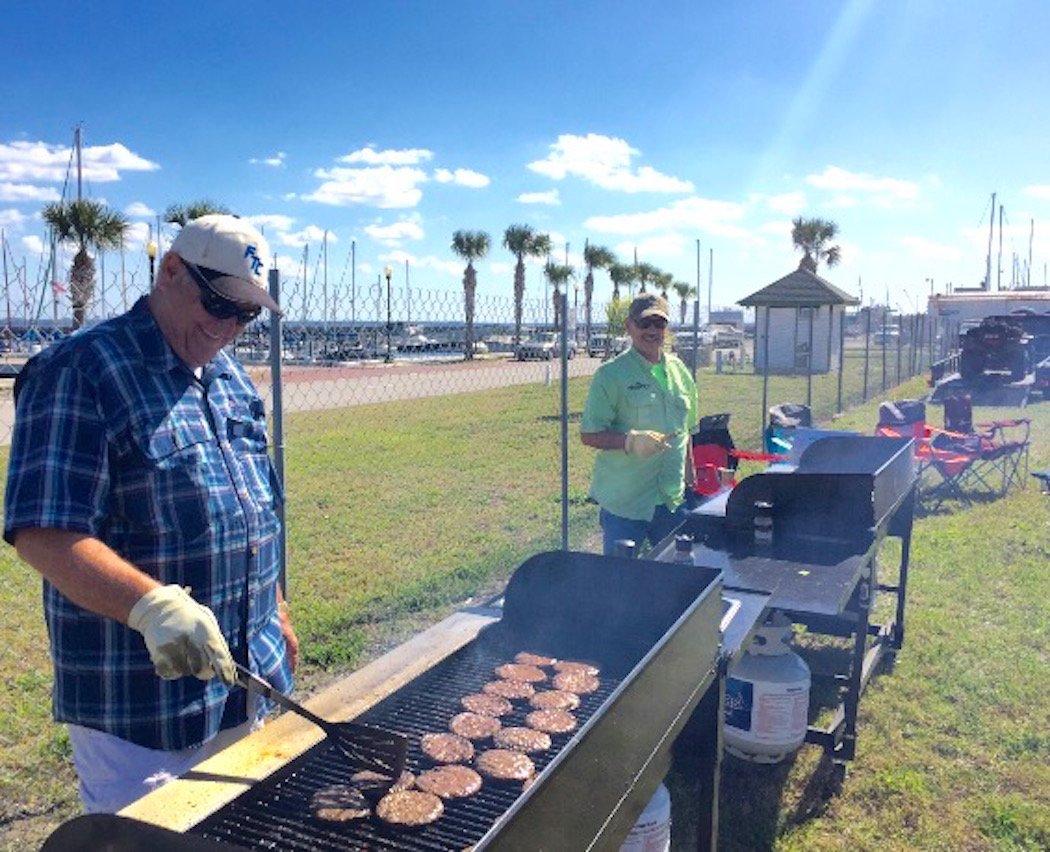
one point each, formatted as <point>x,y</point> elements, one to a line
<point>182,636</point>
<point>645,444</point>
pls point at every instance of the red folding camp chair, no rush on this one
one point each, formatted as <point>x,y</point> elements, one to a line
<point>715,456</point>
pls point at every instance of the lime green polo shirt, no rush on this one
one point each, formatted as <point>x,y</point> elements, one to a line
<point>629,392</point>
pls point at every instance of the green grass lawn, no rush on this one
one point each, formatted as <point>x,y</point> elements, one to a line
<point>398,512</point>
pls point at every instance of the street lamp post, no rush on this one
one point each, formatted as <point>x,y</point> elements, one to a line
<point>151,253</point>
<point>388,272</point>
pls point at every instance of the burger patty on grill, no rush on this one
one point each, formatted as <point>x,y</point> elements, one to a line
<point>555,699</point>
<point>446,748</point>
<point>505,765</point>
<point>522,739</point>
<point>450,782</point>
<point>473,726</point>
<point>572,666</point>
<point>516,671</point>
<point>527,659</point>
<point>485,704</point>
<point>512,689</point>
<point>576,681</point>
<point>551,721</point>
<point>339,803</point>
<point>409,808</point>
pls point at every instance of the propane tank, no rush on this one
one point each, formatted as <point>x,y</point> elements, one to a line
<point>767,697</point>
<point>652,831</point>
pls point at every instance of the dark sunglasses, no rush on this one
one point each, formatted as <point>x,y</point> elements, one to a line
<point>651,322</point>
<point>215,303</point>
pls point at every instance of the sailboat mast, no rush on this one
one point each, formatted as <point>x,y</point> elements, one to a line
<point>1031,237</point>
<point>76,139</point>
<point>991,227</point>
<point>999,271</point>
<point>7,290</point>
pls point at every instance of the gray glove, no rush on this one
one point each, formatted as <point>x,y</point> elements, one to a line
<point>182,636</point>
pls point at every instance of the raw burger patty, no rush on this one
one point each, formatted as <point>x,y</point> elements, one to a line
<point>512,689</point>
<point>409,808</point>
<point>376,784</point>
<point>473,726</point>
<point>339,803</point>
<point>486,705</point>
<point>522,739</point>
<point>450,782</point>
<point>527,659</point>
<point>446,748</point>
<point>505,765</point>
<point>516,671</point>
<point>571,666</point>
<point>551,721</point>
<point>577,681</point>
<point>555,699</point>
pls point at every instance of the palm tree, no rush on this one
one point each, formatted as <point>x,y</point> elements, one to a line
<point>684,291</point>
<point>644,273</point>
<point>558,274</point>
<point>811,237</point>
<point>471,246</point>
<point>522,241</point>
<point>621,274</point>
<point>180,214</point>
<point>663,281</point>
<point>87,224</point>
<point>596,257</point>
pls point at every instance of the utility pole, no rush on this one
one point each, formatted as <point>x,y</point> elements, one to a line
<point>999,262</point>
<point>710,280</point>
<point>324,279</point>
<point>991,228</point>
<point>408,296</point>
<point>7,291</point>
<point>353,280</point>
<point>698,277</point>
<point>1031,237</point>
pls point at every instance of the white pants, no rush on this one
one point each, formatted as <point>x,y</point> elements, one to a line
<point>114,772</point>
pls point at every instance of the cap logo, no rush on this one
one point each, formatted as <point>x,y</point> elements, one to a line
<point>251,253</point>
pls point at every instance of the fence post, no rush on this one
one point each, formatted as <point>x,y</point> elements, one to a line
<point>696,338</point>
<point>867,347</point>
<point>883,347</point>
<point>765,374</point>
<point>900,346</point>
<point>842,354</point>
<point>277,400</point>
<point>564,299</point>
<point>809,363</point>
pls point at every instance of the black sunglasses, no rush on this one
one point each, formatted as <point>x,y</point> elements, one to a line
<point>651,322</point>
<point>215,303</point>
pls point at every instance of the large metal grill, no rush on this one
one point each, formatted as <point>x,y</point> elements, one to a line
<point>653,629</point>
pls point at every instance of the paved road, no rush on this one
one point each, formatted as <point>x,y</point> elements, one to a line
<point>321,388</point>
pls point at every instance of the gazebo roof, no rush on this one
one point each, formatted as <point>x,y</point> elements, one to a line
<point>799,289</point>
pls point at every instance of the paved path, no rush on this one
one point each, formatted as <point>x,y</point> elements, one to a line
<point>321,388</point>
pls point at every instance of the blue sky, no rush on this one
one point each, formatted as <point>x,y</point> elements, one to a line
<point>629,124</point>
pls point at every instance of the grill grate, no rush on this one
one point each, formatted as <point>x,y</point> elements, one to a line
<point>274,814</point>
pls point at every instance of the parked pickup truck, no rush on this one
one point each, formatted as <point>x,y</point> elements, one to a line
<point>544,346</point>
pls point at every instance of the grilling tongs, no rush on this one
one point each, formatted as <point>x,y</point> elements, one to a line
<point>365,746</point>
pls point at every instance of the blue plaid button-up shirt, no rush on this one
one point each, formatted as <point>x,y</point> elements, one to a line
<point>115,437</point>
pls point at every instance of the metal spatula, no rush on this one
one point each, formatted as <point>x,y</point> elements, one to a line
<point>365,746</point>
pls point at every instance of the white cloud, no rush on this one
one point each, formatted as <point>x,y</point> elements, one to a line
<point>924,249</point>
<point>551,197</point>
<point>33,244</point>
<point>309,234</point>
<point>781,228</point>
<point>274,161</point>
<point>27,192</point>
<point>398,256</point>
<point>606,162</point>
<point>841,202</point>
<point>136,235</point>
<point>1040,191</point>
<point>139,210</point>
<point>659,245</point>
<point>392,234</point>
<point>390,157</point>
<point>275,221</point>
<point>501,267</point>
<point>881,190</point>
<point>462,177</point>
<point>11,218</point>
<point>707,215</point>
<point>790,203</point>
<point>383,186</point>
<point>41,161</point>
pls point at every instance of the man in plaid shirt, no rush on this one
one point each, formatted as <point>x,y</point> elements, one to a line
<point>140,487</point>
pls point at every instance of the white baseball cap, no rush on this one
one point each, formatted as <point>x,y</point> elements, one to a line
<point>230,254</point>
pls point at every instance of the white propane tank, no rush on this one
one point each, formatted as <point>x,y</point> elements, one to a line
<point>652,832</point>
<point>767,697</point>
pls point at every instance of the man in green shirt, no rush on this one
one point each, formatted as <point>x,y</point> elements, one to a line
<point>640,414</point>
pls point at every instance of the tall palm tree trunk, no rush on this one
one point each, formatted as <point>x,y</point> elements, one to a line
<point>470,284</point>
<point>81,285</point>
<point>588,294</point>
<point>557,307</point>
<point>519,298</point>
